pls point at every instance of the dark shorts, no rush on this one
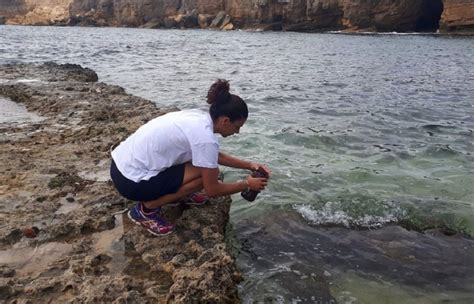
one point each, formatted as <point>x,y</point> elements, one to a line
<point>166,182</point>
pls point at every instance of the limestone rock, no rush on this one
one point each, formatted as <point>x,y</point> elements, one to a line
<point>225,21</point>
<point>87,249</point>
<point>153,24</point>
<point>211,7</point>
<point>205,20</point>
<point>293,15</point>
<point>179,18</point>
<point>219,19</point>
<point>170,22</point>
<point>13,8</point>
<point>228,27</point>
<point>458,16</point>
<point>43,15</point>
<point>190,20</point>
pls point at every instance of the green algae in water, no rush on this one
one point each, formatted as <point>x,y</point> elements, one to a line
<point>415,218</point>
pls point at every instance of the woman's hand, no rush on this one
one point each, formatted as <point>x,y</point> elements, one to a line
<point>264,168</point>
<point>257,183</point>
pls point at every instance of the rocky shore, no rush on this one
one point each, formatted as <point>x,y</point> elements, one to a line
<point>447,16</point>
<point>64,236</point>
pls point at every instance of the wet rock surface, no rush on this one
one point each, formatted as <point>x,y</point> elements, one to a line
<point>307,263</point>
<point>54,177</point>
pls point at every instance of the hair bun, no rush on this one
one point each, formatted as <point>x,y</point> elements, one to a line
<point>218,92</point>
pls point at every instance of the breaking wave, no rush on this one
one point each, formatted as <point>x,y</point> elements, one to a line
<point>332,214</point>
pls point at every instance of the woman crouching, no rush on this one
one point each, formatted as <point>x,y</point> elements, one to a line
<point>176,155</point>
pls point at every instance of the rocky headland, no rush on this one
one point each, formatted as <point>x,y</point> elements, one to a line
<point>448,16</point>
<point>63,235</point>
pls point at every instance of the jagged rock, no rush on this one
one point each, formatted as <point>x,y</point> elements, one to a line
<point>205,20</point>
<point>219,19</point>
<point>80,20</point>
<point>225,21</point>
<point>6,272</point>
<point>277,26</point>
<point>179,18</point>
<point>43,15</point>
<point>458,16</point>
<point>228,27</point>
<point>296,15</point>
<point>190,20</point>
<point>6,292</point>
<point>153,24</point>
<point>90,251</point>
<point>12,236</point>
<point>170,22</point>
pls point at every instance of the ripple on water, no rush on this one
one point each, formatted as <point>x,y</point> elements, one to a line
<point>397,101</point>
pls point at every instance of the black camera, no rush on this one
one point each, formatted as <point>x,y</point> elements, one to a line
<point>250,195</point>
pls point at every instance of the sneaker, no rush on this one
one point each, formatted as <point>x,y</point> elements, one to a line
<point>196,199</point>
<point>152,222</point>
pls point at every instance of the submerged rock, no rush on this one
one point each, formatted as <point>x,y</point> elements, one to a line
<point>374,265</point>
<point>54,169</point>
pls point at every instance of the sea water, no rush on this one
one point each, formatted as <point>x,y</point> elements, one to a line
<point>360,131</point>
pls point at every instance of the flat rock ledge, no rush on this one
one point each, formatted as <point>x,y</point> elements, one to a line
<point>64,235</point>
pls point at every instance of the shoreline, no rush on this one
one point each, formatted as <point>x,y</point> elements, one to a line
<point>55,180</point>
<point>86,249</point>
<point>258,30</point>
<point>444,15</point>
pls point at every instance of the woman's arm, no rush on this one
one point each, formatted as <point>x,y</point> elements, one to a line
<point>213,187</point>
<point>231,161</point>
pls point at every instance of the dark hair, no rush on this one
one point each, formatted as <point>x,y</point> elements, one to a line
<point>225,104</point>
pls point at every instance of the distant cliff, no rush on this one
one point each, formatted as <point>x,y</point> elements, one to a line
<point>458,16</point>
<point>455,16</point>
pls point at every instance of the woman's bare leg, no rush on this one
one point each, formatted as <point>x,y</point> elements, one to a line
<point>192,182</point>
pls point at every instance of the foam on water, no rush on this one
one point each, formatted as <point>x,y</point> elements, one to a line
<point>331,213</point>
<point>385,33</point>
<point>28,80</point>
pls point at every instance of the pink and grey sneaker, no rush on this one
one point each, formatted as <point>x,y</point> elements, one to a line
<point>152,222</point>
<point>196,199</point>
